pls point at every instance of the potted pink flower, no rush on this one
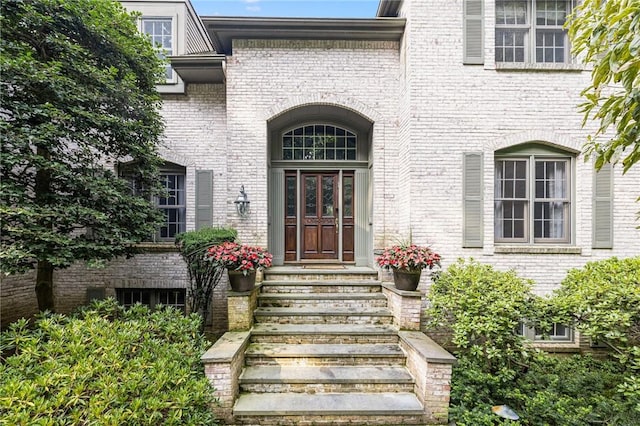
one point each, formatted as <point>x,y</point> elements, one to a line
<point>407,262</point>
<point>241,262</point>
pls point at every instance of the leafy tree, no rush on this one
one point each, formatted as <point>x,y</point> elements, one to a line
<point>105,365</point>
<point>607,35</point>
<point>77,96</point>
<point>204,275</point>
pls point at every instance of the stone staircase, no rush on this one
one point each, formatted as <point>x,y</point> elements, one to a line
<point>324,350</point>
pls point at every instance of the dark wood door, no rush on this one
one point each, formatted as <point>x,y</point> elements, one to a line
<point>319,215</point>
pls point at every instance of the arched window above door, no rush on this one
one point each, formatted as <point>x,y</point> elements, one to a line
<point>313,142</point>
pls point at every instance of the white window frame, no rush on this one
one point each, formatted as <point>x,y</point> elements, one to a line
<point>530,29</point>
<point>179,206</point>
<point>163,51</point>
<point>529,218</point>
<point>554,334</point>
<point>567,336</point>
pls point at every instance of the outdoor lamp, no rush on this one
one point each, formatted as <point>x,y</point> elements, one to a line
<point>242,203</point>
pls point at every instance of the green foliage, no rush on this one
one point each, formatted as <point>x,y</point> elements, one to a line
<point>482,308</point>
<point>105,365</point>
<point>607,35</point>
<point>602,300</point>
<point>204,276</point>
<point>78,96</point>
<point>201,239</point>
<point>573,390</point>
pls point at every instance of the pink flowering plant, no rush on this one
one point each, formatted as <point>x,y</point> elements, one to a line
<point>408,256</point>
<point>240,257</point>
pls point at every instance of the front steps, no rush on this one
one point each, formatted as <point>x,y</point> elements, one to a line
<point>324,350</point>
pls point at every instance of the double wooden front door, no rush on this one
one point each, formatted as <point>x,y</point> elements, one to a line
<point>325,220</point>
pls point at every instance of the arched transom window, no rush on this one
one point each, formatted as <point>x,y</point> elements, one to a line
<point>319,142</point>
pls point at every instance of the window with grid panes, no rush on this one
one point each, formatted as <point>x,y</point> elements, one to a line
<point>532,199</point>
<point>532,31</point>
<point>319,142</point>
<point>152,297</point>
<point>160,30</point>
<point>557,333</point>
<point>172,204</point>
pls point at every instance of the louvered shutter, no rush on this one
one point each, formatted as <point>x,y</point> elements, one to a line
<point>204,198</point>
<point>472,202</point>
<point>603,207</point>
<point>473,32</point>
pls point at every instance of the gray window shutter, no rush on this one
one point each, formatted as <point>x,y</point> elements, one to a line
<point>473,32</point>
<point>204,198</point>
<point>472,227</point>
<point>603,207</point>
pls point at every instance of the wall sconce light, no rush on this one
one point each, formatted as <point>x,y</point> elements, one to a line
<point>242,203</point>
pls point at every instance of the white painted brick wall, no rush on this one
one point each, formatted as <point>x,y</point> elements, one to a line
<point>457,108</point>
<point>428,109</point>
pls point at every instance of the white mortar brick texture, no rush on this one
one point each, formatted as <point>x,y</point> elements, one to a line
<point>456,108</point>
<point>427,108</point>
<point>358,75</point>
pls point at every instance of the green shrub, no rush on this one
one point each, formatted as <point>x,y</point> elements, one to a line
<point>602,301</point>
<point>572,391</point>
<point>204,276</point>
<point>564,391</point>
<point>204,238</point>
<point>105,366</point>
<point>482,308</point>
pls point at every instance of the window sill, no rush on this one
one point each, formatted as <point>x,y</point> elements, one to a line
<point>158,247</point>
<point>537,249</point>
<point>526,66</point>
<point>557,347</point>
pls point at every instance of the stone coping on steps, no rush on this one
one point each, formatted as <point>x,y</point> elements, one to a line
<point>315,329</point>
<point>310,270</point>
<point>426,348</point>
<point>403,293</point>
<point>227,347</point>
<point>328,404</point>
<point>321,350</point>
<point>323,296</point>
<point>244,293</point>
<point>269,374</point>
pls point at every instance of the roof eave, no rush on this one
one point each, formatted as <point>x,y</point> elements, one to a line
<point>200,69</point>
<point>223,30</point>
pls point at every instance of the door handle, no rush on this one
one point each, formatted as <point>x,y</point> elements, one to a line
<point>336,223</point>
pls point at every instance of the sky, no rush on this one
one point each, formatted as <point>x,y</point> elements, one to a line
<point>288,8</point>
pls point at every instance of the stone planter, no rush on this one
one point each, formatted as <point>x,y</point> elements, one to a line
<point>406,279</point>
<point>240,282</point>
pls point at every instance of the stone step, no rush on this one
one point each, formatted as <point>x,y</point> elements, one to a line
<point>374,354</point>
<point>325,379</point>
<point>319,315</point>
<point>323,333</point>
<point>321,286</point>
<point>371,406</point>
<point>351,300</point>
<point>327,272</point>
